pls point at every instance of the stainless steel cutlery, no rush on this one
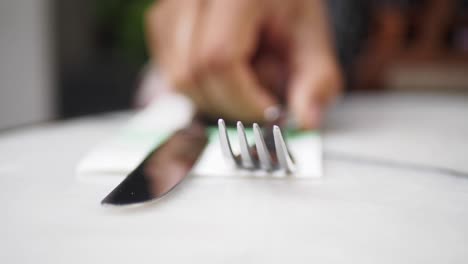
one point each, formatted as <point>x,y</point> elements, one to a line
<point>163,169</point>
<point>269,152</point>
<point>173,160</point>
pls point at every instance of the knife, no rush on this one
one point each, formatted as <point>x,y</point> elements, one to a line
<point>163,169</point>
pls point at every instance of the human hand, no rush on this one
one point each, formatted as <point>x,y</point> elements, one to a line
<point>227,56</point>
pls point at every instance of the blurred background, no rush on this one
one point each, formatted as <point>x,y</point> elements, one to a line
<point>67,58</point>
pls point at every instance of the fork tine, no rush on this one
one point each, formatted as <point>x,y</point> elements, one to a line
<point>247,161</point>
<point>225,144</point>
<point>284,159</point>
<point>262,151</point>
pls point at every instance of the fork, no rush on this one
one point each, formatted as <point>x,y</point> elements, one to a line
<point>269,153</point>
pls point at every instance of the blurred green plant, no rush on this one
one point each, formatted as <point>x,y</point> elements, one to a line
<point>122,24</point>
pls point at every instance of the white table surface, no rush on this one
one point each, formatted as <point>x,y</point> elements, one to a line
<point>361,211</point>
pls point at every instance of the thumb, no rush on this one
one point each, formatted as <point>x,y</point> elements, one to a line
<point>310,91</point>
<point>315,78</point>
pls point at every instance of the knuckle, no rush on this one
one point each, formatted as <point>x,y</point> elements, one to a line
<point>216,58</point>
<point>181,79</point>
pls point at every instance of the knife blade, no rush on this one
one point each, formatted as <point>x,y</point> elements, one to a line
<point>163,169</point>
